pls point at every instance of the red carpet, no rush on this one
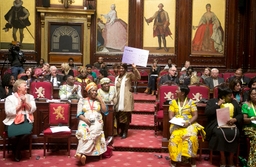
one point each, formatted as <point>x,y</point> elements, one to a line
<point>142,120</point>
<point>144,107</point>
<point>144,97</point>
<point>119,159</point>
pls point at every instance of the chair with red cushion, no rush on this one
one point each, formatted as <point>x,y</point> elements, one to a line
<point>41,89</point>
<point>6,141</point>
<point>198,92</point>
<point>112,78</point>
<point>166,92</point>
<point>143,82</point>
<point>227,75</point>
<point>250,74</point>
<point>59,116</point>
<point>215,92</point>
<point>76,73</point>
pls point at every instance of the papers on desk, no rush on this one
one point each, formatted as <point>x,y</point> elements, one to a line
<point>53,100</point>
<point>177,121</point>
<point>56,129</point>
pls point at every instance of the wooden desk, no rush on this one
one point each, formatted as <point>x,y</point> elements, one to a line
<point>202,120</point>
<point>41,121</point>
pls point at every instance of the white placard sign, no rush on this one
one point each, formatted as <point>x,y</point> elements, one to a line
<point>137,56</point>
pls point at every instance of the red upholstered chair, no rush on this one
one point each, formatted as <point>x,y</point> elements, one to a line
<point>59,116</point>
<point>163,72</point>
<point>21,75</point>
<point>112,78</point>
<point>41,89</point>
<point>97,71</point>
<point>76,73</point>
<point>215,92</point>
<point>227,75</point>
<point>166,92</point>
<point>143,82</point>
<point>90,77</point>
<point>198,92</point>
<point>250,74</point>
<point>6,141</point>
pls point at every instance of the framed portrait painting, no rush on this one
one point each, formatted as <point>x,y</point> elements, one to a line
<point>18,21</point>
<point>159,26</point>
<point>112,26</point>
<point>208,27</point>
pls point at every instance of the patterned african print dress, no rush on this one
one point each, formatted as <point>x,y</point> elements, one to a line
<point>183,142</point>
<point>250,131</point>
<point>91,139</point>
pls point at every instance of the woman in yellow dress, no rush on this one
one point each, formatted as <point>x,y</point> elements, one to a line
<point>183,143</point>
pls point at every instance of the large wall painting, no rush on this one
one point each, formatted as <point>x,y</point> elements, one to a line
<point>208,25</point>
<point>159,26</point>
<point>112,25</point>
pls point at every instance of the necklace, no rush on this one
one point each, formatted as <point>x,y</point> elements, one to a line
<point>91,105</point>
<point>181,107</point>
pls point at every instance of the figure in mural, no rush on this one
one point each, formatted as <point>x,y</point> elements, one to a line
<point>17,18</point>
<point>161,26</point>
<point>209,33</point>
<point>114,32</point>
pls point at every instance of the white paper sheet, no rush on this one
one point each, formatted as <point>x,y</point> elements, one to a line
<point>254,122</point>
<point>137,56</point>
<point>223,116</point>
<point>177,121</point>
<point>56,129</point>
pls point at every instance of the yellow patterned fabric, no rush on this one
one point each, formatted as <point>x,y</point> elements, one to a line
<point>183,142</point>
<point>91,139</point>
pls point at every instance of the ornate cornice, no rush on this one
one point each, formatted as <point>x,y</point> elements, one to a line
<point>69,13</point>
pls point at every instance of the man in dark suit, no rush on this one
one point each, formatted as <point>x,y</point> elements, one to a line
<point>55,78</point>
<point>171,77</point>
<point>214,80</point>
<point>239,75</point>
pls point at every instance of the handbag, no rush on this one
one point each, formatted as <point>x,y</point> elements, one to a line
<point>231,127</point>
<point>109,152</point>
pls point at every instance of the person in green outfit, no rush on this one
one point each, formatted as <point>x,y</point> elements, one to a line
<point>248,110</point>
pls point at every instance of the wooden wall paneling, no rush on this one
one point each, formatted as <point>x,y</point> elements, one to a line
<point>252,34</point>
<point>183,34</point>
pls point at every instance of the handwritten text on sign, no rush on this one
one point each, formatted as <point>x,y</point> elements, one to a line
<point>137,56</point>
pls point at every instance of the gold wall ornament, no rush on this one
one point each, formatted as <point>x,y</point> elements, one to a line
<point>66,2</point>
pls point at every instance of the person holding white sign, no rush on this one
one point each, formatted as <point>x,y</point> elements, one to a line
<point>223,139</point>
<point>124,103</point>
<point>183,143</point>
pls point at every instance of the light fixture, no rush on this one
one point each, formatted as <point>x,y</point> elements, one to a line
<point>66,2</point>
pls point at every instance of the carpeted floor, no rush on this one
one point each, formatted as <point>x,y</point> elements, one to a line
<point>140,149</point>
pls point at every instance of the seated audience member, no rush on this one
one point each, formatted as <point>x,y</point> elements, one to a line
<point>185,78</point>
<point>183,143</point>
<point>100,64</point>
<point>239,75</point>
<point>90,72</point>
<point>252,84</point>
<point>186,65</point>
<point>55,78</point>
<point>206,73</point>
<point>114,70</point>
<point>66,70</point>
<point>19,108</point>
<point>214,79</point>
<point>106,91</point>
<point>46,69</point>
<point>7,84</point>
<point>90,135</point>
<point>236,87</point>
<point>169,64</point>
<point>82,77</point>
<point>248,109</point>
<point>70,90</point>
<point>40,63</point>
<point>170,78</point>
<point>29,76</point>
<point>71,63</point>
<point>102,73</point>
<point>154,72</point>
<point>224,140</point>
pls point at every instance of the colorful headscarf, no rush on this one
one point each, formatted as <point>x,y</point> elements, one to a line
<point>104,80</point>
<point>90,86</point>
